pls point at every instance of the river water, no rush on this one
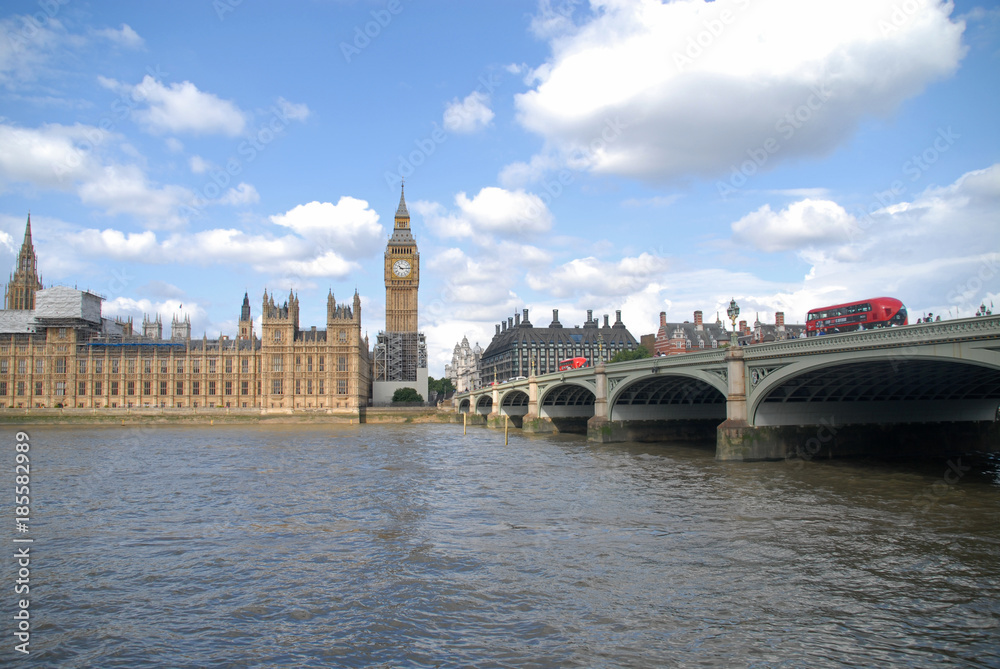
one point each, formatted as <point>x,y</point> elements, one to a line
<point>416,546</point>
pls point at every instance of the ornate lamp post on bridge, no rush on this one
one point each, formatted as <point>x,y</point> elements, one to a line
<point>733,311</point>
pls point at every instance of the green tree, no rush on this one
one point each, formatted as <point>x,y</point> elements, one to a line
<point>443,385</point>
<point>637,354</point>
<point>406,395</point>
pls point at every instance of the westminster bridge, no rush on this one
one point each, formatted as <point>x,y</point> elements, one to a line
<point>915,390</point>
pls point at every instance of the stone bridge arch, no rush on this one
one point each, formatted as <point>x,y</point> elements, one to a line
<point>675,394</point>
<point>926,385</point>
<point>569,405</point>
<point>484,405</point>
<point>514,404</point>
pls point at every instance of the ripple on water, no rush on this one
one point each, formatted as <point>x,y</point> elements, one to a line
<point>414,546</point>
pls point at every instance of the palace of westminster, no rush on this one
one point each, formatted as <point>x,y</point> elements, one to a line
<point>57,350</point>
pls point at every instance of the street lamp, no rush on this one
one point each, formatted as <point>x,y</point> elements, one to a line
<point>600,347</point>
<point>733,311</point>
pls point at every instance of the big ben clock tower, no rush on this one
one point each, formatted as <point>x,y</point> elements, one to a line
<point>402,274</point>
<point>400,356</point>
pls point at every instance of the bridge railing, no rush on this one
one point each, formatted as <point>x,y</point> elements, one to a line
<point>903,335</point>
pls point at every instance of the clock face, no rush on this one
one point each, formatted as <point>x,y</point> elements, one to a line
<point>401,268</point>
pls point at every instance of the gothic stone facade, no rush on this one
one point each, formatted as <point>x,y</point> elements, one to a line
<point>64,354</point>
<point>463,372</point>
<point>57,350</point>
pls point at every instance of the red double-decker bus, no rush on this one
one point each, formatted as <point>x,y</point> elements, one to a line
<point>572,363</point>
<point>878,312</point>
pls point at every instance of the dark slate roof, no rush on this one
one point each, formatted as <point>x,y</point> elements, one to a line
<point>525,333</point>
<point>401,211</point>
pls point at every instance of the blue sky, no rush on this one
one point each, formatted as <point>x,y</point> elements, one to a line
<point>618,154</point>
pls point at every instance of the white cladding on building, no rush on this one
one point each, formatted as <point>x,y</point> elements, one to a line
<point>60,306</point>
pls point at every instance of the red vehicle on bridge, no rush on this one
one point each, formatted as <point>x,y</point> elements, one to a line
<point>572,363</point>
<point>877,312</point>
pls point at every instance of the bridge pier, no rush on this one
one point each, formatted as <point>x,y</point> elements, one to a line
<point>875,440</point>
<point>474,419</point>
<point>599,428</point>
<point>736,439</point>
<point>693,430</point>
<point>534,424</point>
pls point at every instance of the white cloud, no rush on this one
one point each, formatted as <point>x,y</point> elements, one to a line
<point>124,189</point>
<point>72,158</point>
<point>125,36</point>
<point>182,108</point>
<point>589,277</point>
<point>918,251</point>
<point>492,212</point>
<point>520,174</point>
<point>656,201</point>
<point>554,19</point>
<point>801,224</point>
<point>661,91</point>
<point>167,310</point>
<point>52,156</point>
<point>242,194</point>
<point>28,46</point>
<point>330,264</point>
<point>480,287</point>
<point>199,165</point>
<point>468,115</point>
<point>292,110</point>
<point>108,243</point>
<point>350,227</point>
<point>498,210</point>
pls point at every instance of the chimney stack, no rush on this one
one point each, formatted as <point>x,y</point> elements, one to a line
<point>697,320</point>
<point>663,319</point>
<point>779,320</point>
<point>606,324</point>
<point>517,319</point>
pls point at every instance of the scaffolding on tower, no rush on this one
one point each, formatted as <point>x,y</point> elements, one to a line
<point>398,356</point>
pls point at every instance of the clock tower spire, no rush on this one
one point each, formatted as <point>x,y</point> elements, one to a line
<point>402,273</point>
<point>400,355</point>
